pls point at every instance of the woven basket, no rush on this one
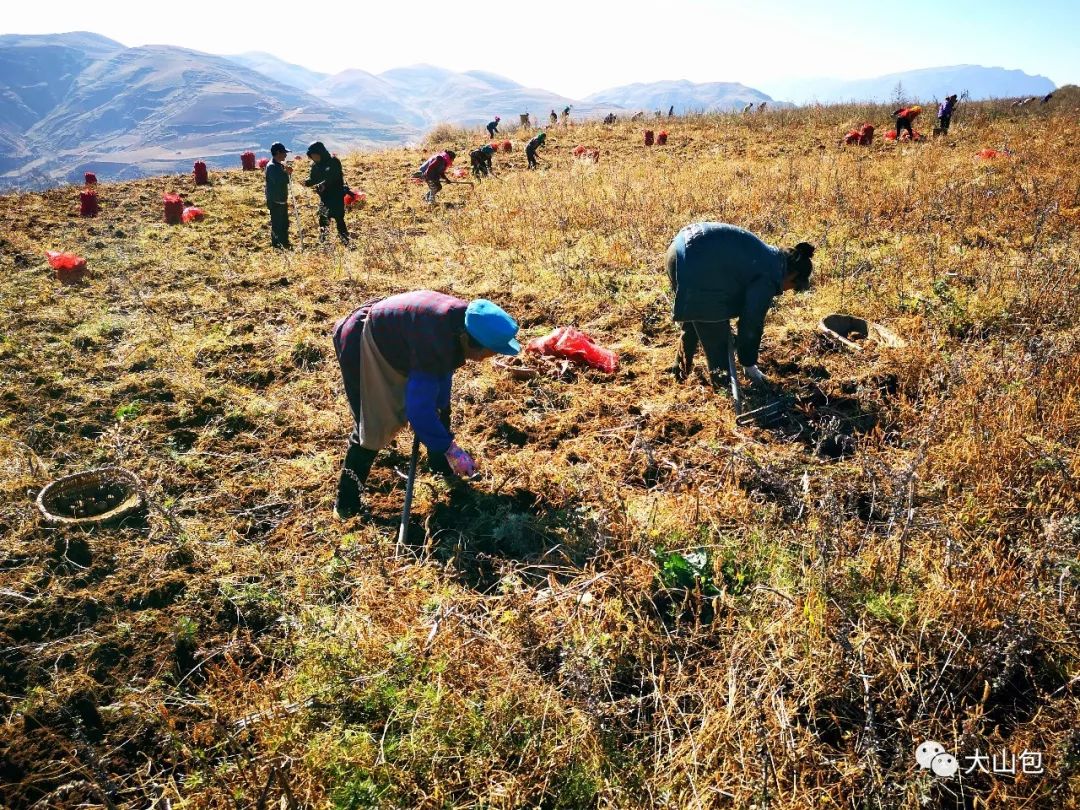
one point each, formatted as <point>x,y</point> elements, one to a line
<point>840,328</point>
<point>91,498</point>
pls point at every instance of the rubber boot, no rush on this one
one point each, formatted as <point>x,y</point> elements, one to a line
<point>354,473</point>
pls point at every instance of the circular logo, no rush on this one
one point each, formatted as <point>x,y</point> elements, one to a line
<point>944,765</point>
<point>926,752</point>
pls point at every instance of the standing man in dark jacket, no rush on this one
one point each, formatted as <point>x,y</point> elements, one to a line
<point>718,272</point>
<point>398,356</point>
<point>328,180</point>
<point>277,196</point>
<point>532,146</point>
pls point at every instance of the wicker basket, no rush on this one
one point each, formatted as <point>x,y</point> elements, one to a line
<point>839,329</point>
<point>91,498</point>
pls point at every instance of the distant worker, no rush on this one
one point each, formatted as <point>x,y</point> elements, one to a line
<point>433,172</point>
<point>944,114</point>
<point>671,111</point>
<point>748,107</point>
<point>277,196</point>
<point>481,160</point>
<point>532,146</point>
<point>718,272</point>
<point>761,106</point>
<point>493,127</point>
<point>398,356</point>
<point>328,180</point>
<point>609,119</point>
<point>566,116</point>
<point>904,117</point>
<point>1046,98</point>
<point>553,118</point>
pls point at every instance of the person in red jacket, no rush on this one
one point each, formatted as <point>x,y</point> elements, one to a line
<point>433,172</point>
<point>904,117</point>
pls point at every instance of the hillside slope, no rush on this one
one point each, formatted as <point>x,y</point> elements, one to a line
<point>639,603</point>
<point>156,108</point>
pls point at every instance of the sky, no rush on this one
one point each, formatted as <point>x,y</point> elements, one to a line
<point>575,47</point>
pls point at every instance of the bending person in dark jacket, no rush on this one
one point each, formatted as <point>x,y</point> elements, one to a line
<point>719,272</point>
<point>481,160</point>
<point>328,180</point>
<point>532,146</point>
<point>398,356</point>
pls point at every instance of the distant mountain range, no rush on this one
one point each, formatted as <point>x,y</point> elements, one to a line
<point>71,103</point>
<point>684,96</point>
<point>916,85</point>
<point>423,95</point>
<point>77,102</point>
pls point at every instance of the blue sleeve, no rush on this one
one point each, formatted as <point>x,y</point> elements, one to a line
<point>424,395</point>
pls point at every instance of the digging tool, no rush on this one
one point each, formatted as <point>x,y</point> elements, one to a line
<point>403,529</point>
<point>296,216</point>
<point>767,413</point>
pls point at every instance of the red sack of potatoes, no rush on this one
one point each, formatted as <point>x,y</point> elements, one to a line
<point>263,162</point>
<point>507,146</point>
<point>64,262</point>
<point>174,208</point>
<point>569,343</point>
<point>191,214</point>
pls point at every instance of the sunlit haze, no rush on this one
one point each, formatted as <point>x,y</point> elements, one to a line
<point>576,48</point>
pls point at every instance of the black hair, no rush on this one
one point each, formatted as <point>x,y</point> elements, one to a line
<point>798,262</point>
<point>473,342</point>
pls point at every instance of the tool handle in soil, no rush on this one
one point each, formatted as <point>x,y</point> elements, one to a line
<point>735,395</point>
<point>403,530</point>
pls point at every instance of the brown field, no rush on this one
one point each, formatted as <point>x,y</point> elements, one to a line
<point>639,604</point>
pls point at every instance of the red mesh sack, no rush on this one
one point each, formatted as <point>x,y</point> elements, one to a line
<point>569,343</point>
<point>507,146</point>
<point>192,214</point>
<point>64,262</point>
<point>866,135</point>
<point>992,154</point>
<point>88,203</point>
<point>890,135</point>
<point>263,162</point>
<point>247,161</point>
<point>174,208</point>
<point>579,150</point>
<point>201,177</point>
<point>90,178</point>
<point>648,137</point>
<point>355,198</point>
<point>661,138</point>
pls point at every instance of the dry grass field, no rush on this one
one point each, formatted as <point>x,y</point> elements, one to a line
<point>639,604</point>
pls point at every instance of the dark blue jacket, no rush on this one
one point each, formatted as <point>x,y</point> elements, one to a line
<point>277,184</point>
<point>725,272</point>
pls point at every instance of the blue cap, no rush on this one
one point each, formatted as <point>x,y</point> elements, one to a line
<point>491,327</point>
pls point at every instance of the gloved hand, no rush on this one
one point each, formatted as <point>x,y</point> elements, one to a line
<point>460,462</point>
<point>753,373</point>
